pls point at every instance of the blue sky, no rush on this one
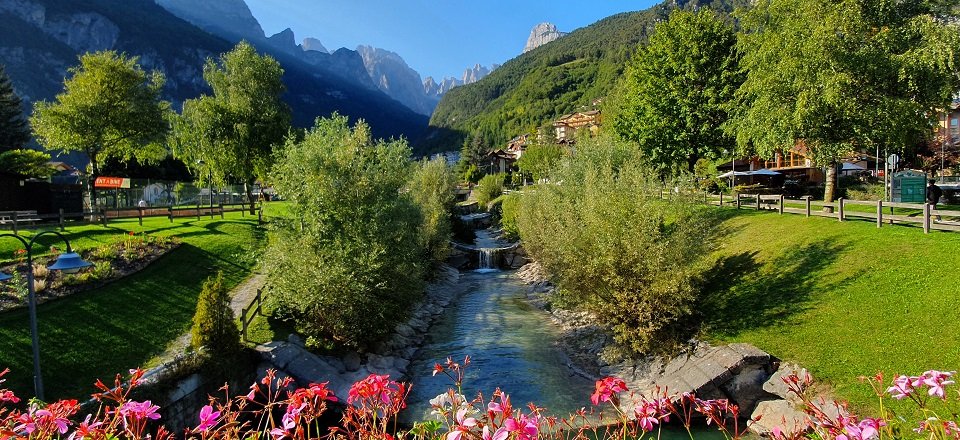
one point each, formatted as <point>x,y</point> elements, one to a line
<point>436,38</point>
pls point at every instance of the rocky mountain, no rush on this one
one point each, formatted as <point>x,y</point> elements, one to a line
<point>41,39</point>
<point>231,19</point>
<point>470,76</point>
<point>393,76</point>
<point>541,34</point>
<point>313,45</point>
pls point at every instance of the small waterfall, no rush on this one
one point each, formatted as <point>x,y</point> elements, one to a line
<point>487,260</point>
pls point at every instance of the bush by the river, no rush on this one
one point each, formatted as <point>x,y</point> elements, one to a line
<point>347,263</point>
<point>214,327</point>
<point>489,188</point>
<point>432,186</point>
<point>610,244</point>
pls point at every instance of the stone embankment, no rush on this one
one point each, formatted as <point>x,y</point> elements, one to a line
<point>392,357</point>
<point>742,373</point>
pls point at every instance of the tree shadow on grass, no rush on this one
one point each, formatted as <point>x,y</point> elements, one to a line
<point>743,294</point>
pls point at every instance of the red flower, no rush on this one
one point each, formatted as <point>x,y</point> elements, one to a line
<point>607,390</point>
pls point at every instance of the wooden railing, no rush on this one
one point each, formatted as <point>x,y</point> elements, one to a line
<point>928,216</point>
<point>102,215</point>
<point>248,313</point>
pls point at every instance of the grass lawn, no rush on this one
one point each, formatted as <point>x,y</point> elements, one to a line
<point>108,330</point>
<point>842,299</point>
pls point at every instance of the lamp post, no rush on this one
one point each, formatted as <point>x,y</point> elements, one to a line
<point>67,262</point>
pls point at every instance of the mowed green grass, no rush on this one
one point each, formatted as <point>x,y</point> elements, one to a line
<point>842,299</point>
<point>104,331</point>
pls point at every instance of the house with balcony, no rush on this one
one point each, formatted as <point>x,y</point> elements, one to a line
<point>566,127</point>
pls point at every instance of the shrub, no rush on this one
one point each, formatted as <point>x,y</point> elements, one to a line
<point>613,246</point>
<point>213,323</point>
<point>101,270</point>
<point>431,186</point>
<point>489,188</point>
<point>509,209</point>
<point>349,262</point>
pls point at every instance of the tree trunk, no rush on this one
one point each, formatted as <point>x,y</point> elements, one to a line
<point>248,188</point>
<point>830,184</point>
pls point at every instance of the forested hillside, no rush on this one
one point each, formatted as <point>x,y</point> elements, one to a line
<point>557,78</point>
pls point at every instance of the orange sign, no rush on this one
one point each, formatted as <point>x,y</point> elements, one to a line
<point>111,182</point>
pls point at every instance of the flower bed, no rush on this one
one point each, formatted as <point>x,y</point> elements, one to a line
<point>111,261</point>
<point>272,408</point>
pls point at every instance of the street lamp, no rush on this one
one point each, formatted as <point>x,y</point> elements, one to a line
<point>67,262</point>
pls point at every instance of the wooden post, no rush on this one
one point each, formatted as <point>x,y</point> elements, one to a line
<point>926,218</point>
<point>63,227</point>
<point>221,211</point>
<point>15,228</point>
<point>840,209</point>
<point>721,199</point>
<point>243,209</point>
<point>140,215</point>
<point>781,204</point>
<point>808,205</point>
<point>879,213</point>
<point>737,196</point>
<point>243,324</point>
<point>706,197</point>
<point>198,208</point>
<point>758,202</point>
<point>170,213</point>
<point>260,215</point>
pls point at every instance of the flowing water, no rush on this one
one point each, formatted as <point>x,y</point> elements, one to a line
<point>511,345</point>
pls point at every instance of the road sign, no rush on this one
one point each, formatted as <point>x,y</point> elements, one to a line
<point>892,161</point>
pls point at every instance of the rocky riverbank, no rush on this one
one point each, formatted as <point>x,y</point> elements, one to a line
<point>391,357</point>
<point>741,373</point>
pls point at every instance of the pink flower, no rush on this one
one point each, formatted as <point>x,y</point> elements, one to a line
<point>500,434</point>
<point>140,410</point>
<point>464,424</point>
<point>208,418</point>
<point>936,381</point>
<point>607,389</point>
<point>650,413</point>
<point>253,392</point>
<point>865,430</point>
<point>901,388</point>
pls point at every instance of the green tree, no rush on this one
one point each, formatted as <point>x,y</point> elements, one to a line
<point>432,188</point>
<point>214,327</point>
<point>538,159</point>
<point>348,264</point>
<point>472,155</point>
<point>840,76</point>
<point>677,90</point>
<point>231,134</point>
<point>14,131</point>
<point>28,163</point>
<point>110,108</point>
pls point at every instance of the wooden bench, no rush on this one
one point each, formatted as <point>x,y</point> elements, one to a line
<point>8,217</point>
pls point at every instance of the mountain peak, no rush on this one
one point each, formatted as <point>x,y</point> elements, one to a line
<point>312,44</point>
<point>541,34</point>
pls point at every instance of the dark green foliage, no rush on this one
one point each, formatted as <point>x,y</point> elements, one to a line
<point>214,327</point>
<point>538,159</point>
<point>613,246</point>
<point>14,131</point>
<point>549,81</point>
<point>489,188</point>
<point>678,88</point>
<point>349,263</point>
<point>432,188</point>
<point>27,163</point>
<point>472,154</point>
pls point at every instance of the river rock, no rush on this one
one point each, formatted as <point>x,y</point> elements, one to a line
<point>418,325</point>
<point>379,363</point>
<point>705,371</point>
<point>351,361</point>
<point>401,364</point>
<point>405,330</point>
<point>778,413</point>
<point>776,386</point>
<point>746,387</point>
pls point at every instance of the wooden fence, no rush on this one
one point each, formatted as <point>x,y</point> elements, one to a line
<point>928,216</point>
<point>19,220</point>
<point>248,313</point>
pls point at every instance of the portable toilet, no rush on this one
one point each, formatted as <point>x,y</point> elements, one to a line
<point>909,187</point>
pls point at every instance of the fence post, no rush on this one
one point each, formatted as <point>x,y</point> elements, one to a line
<point>706,197</point>
<point>879,213</point>
<point>721,199</point>
<point>15,228</point>
<point>198,208</point>
<point>103,216</point>
<point>840,209</point>
<point>63,228</point>
<point>140,215</point>
<point>221,211</point>
<point>926,218</point>
<point>808,205</point>
<point>243,209</point>
<point>170,213</point>
<point>243,324</point>
<point>781,204</point>
<point>737,196</point>
<point>260,216</point>
<point>758,202</point>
